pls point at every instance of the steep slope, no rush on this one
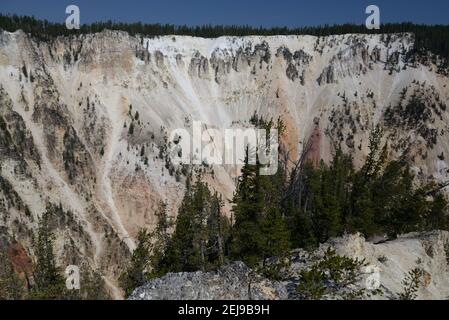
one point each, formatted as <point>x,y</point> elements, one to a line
<point>85,120</point>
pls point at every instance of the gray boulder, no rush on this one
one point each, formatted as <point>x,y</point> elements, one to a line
<point>232,282</point>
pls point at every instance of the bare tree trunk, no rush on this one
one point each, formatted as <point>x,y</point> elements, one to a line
<point>220,249</point>
<point>203,259</point>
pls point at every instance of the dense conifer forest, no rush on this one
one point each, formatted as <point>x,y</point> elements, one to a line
<point>433,38</point>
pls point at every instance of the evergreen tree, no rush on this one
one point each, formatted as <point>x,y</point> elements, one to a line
<point>92,285</point>
<point>247,237</point>
<point>135,275</point>
<point>361,214</point>
<point>379,199</point>
<point>437,217</point>
<point>49,282</point>
<point>11,286</point>
<point>183,251</point>
<point>259,230</point>
<point>131,128</point>
<point>161,239</point>
<point>218,232</point>
<point>276,242</point>
<point>200,236</point>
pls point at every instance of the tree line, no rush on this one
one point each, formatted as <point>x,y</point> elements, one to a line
<point>433,38</point>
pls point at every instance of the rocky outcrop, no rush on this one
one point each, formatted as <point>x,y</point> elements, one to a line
<point>297,63</point>
<point>358,57</point>
<point>387,262</point>
<point>199,65</point>
<point>232,282</point>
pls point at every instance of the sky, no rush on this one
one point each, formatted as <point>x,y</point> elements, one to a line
<point>290,13</point>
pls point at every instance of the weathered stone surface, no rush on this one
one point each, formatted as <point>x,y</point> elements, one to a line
<point>392,259</point>
<point>232,282</point>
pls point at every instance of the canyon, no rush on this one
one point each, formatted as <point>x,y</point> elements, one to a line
<point>85,122</point>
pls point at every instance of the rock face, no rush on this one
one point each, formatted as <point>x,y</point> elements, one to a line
<point>232,282</point>
<point>392,261</point>
<point>85,121</point>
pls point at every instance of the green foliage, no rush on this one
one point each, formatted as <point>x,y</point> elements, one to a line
<point>131,129</point>
<point>49,282</point>
<point>92,285</point>
<point>247,237</point>
<point>161,239</point>
<point>134,275</point>
<point>414,115</point>
<point>259,231</point>
<point>380,198</point>
<point>218,227</point>
<point>428,38</point>
<point>276,240</point>
<point>11,286</point>
<point>11,196</point>
<point>311,286</point>
<point>333,276</point>
<point>310,204</point>
<point>411,284</point>
<point>301,207</point>
<point>198,242</point>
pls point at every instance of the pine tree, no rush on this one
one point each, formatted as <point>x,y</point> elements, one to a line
<point>276,242</point>
<point>218,232</point>
<point>49,282</point>
<point>11,286</point>
<point>176,254</point>
<point>161,239</point>
<point>135,275</point>
<point>131,129</point>
<point>436,217</point>
<point>362,211</point>
<point>200,236</point>
<point>200,210</point>
<point>260,208</point>
<point>247,237</point>
<point>92,285</point>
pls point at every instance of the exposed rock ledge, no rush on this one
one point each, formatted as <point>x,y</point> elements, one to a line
<point>232,282</point>
<point>394,259</point>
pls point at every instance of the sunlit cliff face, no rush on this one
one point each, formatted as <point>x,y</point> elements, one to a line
<point>86,120</point>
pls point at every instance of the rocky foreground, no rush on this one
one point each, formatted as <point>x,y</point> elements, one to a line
<point>232,282</point>
<point>393,260</point>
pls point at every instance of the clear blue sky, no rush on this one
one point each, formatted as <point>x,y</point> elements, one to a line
<point>289,13</point>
